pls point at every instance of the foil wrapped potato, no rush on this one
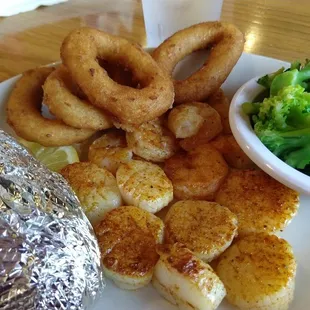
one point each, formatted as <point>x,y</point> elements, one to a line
<point>49,256</point>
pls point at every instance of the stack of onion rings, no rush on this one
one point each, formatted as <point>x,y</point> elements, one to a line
<point>60,97</point>
<point>228,44</point>
<point>106,80</point>
<point>24,113</point>
<point>79,53</point>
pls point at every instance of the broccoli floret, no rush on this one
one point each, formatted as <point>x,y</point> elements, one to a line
<point>296,74</point>
<point>283,125</point>
<point>295,65</point>
<point>290,78</point>
<point>267,79</point>
<point>293,147</point>
<point>250,108</point>
<point>282,119</point>
<point>300,158</point>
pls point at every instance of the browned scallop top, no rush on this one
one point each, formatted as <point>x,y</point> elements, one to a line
<point>264,264</point>
<point>200,225</point>
<point>197,168</point>
<point>178,257</point>
<point>260,202</point>
<point>127,238</point>
<point>85,176</point>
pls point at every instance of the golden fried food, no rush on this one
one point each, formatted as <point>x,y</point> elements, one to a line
<point>144,185</point>
<point>119,73</point>
<point>110,150</point>
<point>128,105</point>
<point>196,122</point>
<point>221,104</point>
<point>24,113</point>
<point>197,174</point>
<point>206,228</point>
<point>232,152</point>
<point>185,280</point>
<point>152,141</point>
<point>127,239</point>
<point>95,187</point>
<point>228,45</point>
<point>61,97</point>
<point>261,203</point>
<point>258,272</point>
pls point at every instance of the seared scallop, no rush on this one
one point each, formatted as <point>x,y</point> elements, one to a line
<point>206,228</point>
<point>259,272</point>
<point>197,174</point>
<point>185,280</point>
<point>261,203</point>
<point>110,150</point>
<point>95,187</point>
<point>144,185</point>
<point>127,239</point>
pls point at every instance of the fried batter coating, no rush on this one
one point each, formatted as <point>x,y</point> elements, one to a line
<point>228,46</point>
<point>24,113</point>
<point>129,106</point>
<point>60,95</point>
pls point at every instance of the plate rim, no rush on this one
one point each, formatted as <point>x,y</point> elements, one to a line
<point>159,301</point>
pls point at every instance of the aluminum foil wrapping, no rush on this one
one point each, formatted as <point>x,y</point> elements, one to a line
<point>49,256</point>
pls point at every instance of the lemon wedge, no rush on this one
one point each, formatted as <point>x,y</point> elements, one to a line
<point>54,158</point>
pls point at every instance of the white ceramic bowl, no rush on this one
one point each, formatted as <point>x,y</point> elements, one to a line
<point>255,149</point>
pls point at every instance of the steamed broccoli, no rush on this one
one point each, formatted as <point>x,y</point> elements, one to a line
<point>297,74</point>
<point>293,147</point>
<point>267,79</point>
<point>282,123</point>
<point>292,77</point>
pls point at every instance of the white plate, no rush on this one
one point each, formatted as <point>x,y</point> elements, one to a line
<point>297,233</point>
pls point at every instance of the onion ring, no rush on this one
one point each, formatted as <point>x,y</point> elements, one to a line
<point>229,43</point>
<point>24,113</point>
<point>119,73</point>
<point>60,96</point>
<point>80,51</point>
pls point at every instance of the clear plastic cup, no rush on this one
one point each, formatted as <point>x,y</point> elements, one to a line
<point>162,18</point>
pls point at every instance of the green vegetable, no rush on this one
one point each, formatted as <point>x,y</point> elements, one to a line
<point>262,95</point>
<point>268,78</point>
<point>292,77</point>
<point>251,108</point>
<point>290,109</point>
<point>295,65</point>
<point>297,74</point>
<point>293,147</point>
<point>282,123</point>
<point>300,158</point>
<point>281,114</point>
